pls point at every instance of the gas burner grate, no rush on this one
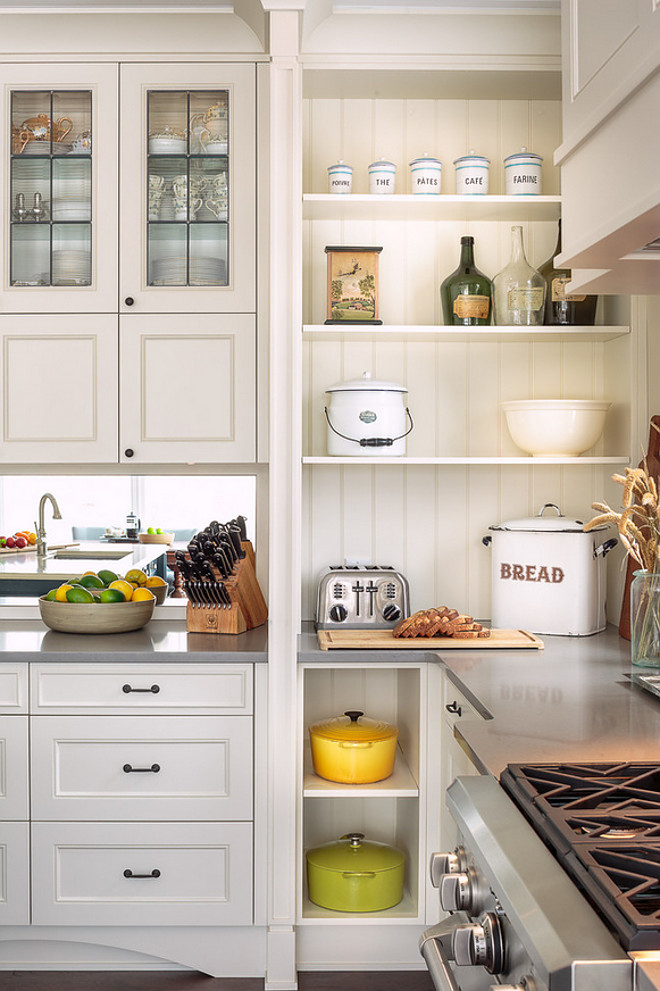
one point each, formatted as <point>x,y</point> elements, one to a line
<point>597,787</point>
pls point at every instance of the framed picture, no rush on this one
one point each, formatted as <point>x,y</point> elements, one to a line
<point>352,291</point>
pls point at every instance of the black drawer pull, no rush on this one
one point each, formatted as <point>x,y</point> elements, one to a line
<point>129,688</point>
<point>129,769</point>
<point>129,873</point>
<point>453,707</point>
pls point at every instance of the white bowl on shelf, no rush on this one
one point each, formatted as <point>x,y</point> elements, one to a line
<point>555,428</point>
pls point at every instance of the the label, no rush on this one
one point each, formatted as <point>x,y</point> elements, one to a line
<point>558,291</point>
<point>367,416</point>
<point>531,573</point>
<point>528,299</point>
<point>475,307</point>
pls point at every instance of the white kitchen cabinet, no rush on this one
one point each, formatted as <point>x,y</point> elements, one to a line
<point>455,762</point>
<point>188,210</point>
<point>137,874</point>
<point>59,387</point>
<point>14,873</point>
<point>65,261</point>
<point>188,390</point>
<point>14,770</point>
<point>390,811</point>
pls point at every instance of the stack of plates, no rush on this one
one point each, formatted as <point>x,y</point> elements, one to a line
<point>71,267</point>
<point>44,148</point>
<point>203,272</point>
<point>72,210</point>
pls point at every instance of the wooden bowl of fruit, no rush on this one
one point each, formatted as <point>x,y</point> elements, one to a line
<point>93,605</point>
<point>152,536</point>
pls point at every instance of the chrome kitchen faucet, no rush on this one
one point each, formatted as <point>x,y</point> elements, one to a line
<point>40,527</point>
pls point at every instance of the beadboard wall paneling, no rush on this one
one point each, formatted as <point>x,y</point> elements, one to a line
<point>428,521</point>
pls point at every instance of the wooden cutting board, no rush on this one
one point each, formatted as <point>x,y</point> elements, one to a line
<point>383,640</point>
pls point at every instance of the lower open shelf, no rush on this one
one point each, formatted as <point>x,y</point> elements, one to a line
<point>406,910</point>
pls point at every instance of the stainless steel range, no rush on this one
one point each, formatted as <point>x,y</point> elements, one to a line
<point>555,883</point>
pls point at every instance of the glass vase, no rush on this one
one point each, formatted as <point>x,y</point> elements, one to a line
<point>645,619</point>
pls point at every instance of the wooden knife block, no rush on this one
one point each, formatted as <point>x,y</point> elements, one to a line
<point>248,607</point>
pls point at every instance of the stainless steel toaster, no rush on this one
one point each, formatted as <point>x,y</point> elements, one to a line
<point>373,597</point>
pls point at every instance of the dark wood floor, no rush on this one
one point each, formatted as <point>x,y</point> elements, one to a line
<point>27,980</point>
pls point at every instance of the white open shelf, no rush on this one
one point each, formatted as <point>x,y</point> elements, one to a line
<point>408,206</point>
<point>400,784</point>
<point>405,910</point>
<point>622,459</point>
<point>461,335</point>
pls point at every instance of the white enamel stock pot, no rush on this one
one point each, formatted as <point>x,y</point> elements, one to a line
<point>367,418</point>
<point>548,575</point>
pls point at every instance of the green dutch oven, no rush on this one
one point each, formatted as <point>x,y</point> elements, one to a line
<point>354,875</point>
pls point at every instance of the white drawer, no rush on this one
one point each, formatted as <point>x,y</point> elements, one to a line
<point>13,688</point>
<point>203,874</point>
<point>142,688</point>
<point>14,874</point>
<point>126,767</point>
<point>14,768</point>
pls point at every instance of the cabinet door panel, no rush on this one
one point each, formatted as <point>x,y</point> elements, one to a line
<point>187,388</point>
<point>14,768</point>
<point>121,768</point>
<point>67,261</point>
<point>59,388</point>
<point>13,688</point>
<point>14,874</point>
<point>188,211</point>
<point>204,874</point>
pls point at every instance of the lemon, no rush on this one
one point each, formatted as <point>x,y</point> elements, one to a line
<point>88,573</point>
<point>112,595</point>
<point>155,581</point>
<point>135,576</point>
<point>142,595</point>
<point>124,587</point>
<point>108,576</point>
<point>60,593</point>
<point>91,580</point>
<point>79,595</point>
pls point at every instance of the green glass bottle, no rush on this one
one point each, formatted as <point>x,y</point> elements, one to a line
<point>466,293</point>
<point>561,308</point>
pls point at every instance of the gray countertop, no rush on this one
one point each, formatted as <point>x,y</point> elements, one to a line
<point>160,640</point>
<point>571,701</point>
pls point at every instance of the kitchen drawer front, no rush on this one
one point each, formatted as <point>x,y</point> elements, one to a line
<point>14,768</point>
<point>204,874</point>
<point>142,688</point>
<point>14,874</point>
<point>120,768</point>
<point>13,688</point>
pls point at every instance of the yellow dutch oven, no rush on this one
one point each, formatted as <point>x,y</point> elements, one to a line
<point>353,749</point>
<point>355,875</point>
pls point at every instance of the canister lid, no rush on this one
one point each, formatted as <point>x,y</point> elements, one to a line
<point>354,726</point>
<point>353,854</point>
<point>522,155</point>
<point>472,157</point>
<point>382,163</point>
<point>340,166</point>
<point>544,524</point>
<point>366,384</point>
<point>426,159</point>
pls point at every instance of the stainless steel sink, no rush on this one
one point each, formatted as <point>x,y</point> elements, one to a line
<point>78,555</point>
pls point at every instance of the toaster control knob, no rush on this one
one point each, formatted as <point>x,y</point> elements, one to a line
<point>480,944</point>
<point>338,613</point>
<point>446,863</point>
<point>392,612</point>
<point>457,892</point>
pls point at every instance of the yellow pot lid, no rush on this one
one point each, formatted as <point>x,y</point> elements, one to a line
<point>354,725</point>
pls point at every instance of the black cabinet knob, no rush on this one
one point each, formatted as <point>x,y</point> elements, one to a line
<point>129,301</point>
<point>129,452</point>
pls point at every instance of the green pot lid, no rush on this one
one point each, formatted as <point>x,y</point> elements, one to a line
<point>354,726</point>
<point>352,854</point>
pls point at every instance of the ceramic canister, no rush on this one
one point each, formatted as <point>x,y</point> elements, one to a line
<point>472,174</point>
<point>382,175</point>
<point>425,175</point>
<point>340,177</point>
<point>522,173</point>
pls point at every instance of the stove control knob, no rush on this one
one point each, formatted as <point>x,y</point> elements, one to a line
<point>338,613</point>
<point>457,892</point>
<point>527,983</point>
<point>446,863</point>
<point>480,944</point>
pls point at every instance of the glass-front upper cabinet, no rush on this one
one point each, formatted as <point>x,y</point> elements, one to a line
<point>188,188</point>
<point>60,159</point>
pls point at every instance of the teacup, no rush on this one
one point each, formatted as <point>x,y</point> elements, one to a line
<point>156,182</point>
<point>217,184</point>
<point>155,197</point>
<point>212,144</point>
<point>218,208</point>
<point>181,207</point>
<point>82,143</point>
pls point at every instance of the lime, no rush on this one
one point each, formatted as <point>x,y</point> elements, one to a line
<point>159,530</point>
<point>107,576</point>
<point>151,530</point>
<point>92,581</point>
<point>112,595</point>
<point>50,596</point>
<point>79,595</point>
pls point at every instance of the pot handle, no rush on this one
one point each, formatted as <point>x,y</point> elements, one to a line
<point>370,441</point>
<point>356,744</point>
<point>604,549</point>
<point>487,541</point>
<point>358,874</point>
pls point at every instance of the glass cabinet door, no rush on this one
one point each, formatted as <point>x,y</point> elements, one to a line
<point>59,215</point>
<point>188,192</point>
